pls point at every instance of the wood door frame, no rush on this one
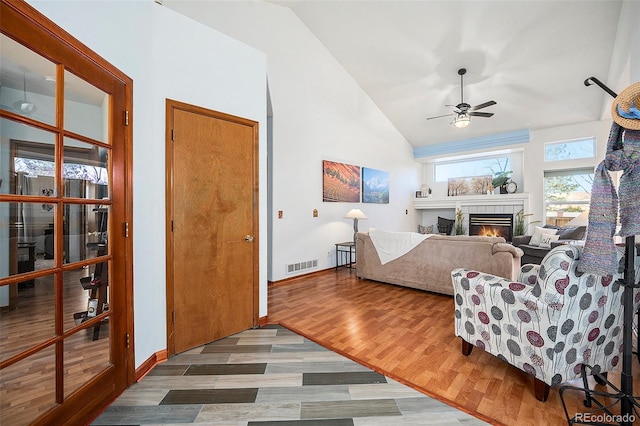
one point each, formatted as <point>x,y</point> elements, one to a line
<point>38,33</point>
<point>171,106</point>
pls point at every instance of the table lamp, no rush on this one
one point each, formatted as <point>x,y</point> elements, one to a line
<point>355,214</point>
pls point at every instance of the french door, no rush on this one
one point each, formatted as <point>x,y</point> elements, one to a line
<point>65,225</point>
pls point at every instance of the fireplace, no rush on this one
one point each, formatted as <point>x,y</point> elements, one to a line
<point>491,225</point>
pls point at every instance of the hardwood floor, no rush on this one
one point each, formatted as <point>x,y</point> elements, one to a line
<point>408,335</point>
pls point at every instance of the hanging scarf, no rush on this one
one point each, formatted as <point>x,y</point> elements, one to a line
<point>623,154</point>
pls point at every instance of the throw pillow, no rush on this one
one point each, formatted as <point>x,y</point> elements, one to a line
<point>546,240</point>
<point>425,229</point>
<point>537,235</point>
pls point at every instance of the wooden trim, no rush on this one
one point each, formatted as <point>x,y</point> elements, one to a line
<point>262,321</point>
<point>26,25</point>
<point>146,367</point>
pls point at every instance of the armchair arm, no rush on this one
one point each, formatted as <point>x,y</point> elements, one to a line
<point>529,274</point>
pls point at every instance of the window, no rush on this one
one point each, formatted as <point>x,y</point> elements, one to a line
<point>471,167</point>
<point>570,150</point>
<point>567,194</point>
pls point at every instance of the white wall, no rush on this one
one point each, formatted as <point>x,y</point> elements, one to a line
<point>168,56</point>
<point>319,113</point>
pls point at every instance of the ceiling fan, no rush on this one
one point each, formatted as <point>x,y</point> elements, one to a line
<point>463,111</point>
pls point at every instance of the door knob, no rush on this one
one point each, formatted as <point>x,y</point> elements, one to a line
<point>248,238</point>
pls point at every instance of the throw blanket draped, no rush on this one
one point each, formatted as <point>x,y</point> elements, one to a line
<point>599,255</point>
<point>392,245</point>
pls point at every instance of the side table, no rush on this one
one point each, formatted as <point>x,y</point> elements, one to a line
<point>345,254</point>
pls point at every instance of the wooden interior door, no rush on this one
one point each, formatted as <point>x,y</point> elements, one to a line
<point>212,248</point>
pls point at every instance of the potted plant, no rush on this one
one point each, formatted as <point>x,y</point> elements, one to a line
<point>460,230</point>
<point>519,225</point>
<point>501,179</point>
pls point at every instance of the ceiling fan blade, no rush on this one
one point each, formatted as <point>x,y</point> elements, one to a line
<point>481,114</point>
<point>439,116</point>
<point>484,105</point>
<point>455,108</point>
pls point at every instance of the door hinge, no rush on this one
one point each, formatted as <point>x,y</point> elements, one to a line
<point>126,229</point>
<point>127,340</point>
<point>173,135</point>
<point>173,317</point>
<point>172,226</point>
<point>126,118</point>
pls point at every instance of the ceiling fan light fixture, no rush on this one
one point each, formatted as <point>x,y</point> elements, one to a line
<point>461,120</point>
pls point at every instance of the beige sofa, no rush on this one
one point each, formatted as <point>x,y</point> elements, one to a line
<point>428,266</point>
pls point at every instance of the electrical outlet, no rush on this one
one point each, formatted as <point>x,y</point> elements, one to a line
<point>280,214</point>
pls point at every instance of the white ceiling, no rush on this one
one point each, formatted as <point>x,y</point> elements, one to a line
<point>531,57</point>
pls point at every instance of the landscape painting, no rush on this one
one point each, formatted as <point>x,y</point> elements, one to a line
<point>474,185</point>
<point>375,186</point>
<point>340,182</point>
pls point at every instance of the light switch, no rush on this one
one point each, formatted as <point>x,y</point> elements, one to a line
<point>315,212</point>
<point>279,214</point>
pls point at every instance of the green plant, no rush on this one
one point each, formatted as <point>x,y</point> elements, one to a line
<point>520,225</point>
<point>460,230</point>
<point>501,178</point>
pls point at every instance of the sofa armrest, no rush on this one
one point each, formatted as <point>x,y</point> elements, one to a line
<point>521,239</point>
<point>507,248</point>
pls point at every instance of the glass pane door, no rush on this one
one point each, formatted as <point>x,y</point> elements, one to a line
<point>55,228</point>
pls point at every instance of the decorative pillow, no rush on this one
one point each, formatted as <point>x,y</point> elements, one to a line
<point>445,225</point>
<point>546,240</point>
<point>537,235</point>
<point>425,229</point>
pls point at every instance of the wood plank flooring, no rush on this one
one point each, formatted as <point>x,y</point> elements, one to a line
<point>408,335</point>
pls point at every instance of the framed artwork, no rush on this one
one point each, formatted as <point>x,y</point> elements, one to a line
<point>375,186</point>
<point>340,182</point>
<point>474,185</point>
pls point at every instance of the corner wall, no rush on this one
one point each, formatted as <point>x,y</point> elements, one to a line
<point>319,113</point>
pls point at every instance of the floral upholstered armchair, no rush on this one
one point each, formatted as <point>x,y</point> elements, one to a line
<point>549,323</point>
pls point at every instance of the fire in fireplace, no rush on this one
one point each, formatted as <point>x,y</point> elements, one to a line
<point>491,225</point>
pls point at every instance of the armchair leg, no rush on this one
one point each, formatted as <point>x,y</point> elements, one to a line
<point>466,347</point>
<point>541,389</point>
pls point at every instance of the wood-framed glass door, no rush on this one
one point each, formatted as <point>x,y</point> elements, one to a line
<point>65,225</point>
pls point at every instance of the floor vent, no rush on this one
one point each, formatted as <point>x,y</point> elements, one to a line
<point>297,267</point>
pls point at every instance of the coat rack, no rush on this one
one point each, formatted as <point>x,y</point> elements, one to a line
<point>628,403</point>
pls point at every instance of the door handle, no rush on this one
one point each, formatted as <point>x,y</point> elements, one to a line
<point>248,238</point>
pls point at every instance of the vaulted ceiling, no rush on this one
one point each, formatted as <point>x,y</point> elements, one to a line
<point>531,57</point>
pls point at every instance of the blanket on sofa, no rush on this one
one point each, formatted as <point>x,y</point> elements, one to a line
<point>392,245</point>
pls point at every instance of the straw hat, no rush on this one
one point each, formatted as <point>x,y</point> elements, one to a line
<point>625,109</point>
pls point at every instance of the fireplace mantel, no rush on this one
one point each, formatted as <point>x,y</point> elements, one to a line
<point>461,201</point>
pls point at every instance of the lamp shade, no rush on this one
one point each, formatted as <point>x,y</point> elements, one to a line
<point>355,214</point>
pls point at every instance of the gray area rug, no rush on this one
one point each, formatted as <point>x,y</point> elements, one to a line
<point>273,376</point>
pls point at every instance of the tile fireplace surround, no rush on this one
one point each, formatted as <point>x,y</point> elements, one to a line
<point>501,203</point>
